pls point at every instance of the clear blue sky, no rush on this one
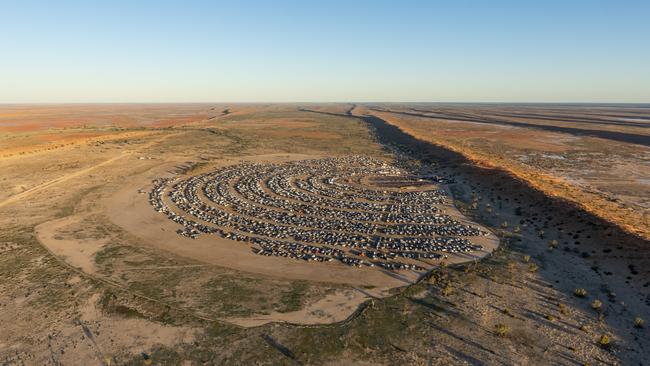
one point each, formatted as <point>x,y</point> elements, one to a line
<point>366,50</point>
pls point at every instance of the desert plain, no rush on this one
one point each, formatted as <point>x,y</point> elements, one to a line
<point>555,198</point>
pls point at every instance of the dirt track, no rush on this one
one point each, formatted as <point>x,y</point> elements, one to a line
<point>81,172</point>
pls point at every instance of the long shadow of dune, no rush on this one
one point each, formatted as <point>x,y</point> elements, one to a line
<point>576,119</point>
<point>605,120</point>
<point>605,234</point>
<point>610,135</point>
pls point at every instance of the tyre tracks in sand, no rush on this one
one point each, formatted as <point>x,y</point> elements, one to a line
<point>78,173</point>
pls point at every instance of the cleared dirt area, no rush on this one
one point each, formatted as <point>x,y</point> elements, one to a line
<point>131,211</point>
<point>90,273</point>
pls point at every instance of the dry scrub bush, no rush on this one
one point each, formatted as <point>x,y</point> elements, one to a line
<point>596,305</point>
<point>580,292</point>
<point>639,322</point>
<point>533,267</point>
<point>526,258</point>
<point>447,290</point>
<point>604,340</point>
<point>501,330</point>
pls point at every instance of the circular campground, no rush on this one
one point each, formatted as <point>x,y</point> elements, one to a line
<point>353,220</point>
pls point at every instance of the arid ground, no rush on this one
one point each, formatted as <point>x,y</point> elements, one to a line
<point>91,274</point>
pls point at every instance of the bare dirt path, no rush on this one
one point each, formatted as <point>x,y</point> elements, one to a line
<point>61,179</point>
<point>79,253</point>
<point>333,308</point>
<point>155,268</point>
<point>81,172</point>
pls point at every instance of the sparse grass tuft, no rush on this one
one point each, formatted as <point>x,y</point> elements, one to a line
<point>583,327</point>
<point>292,299</point>
<point>563,309</point>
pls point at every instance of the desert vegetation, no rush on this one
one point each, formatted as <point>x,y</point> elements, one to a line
<point>91,273</point>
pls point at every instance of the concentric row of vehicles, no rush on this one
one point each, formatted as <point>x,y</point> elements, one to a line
<point>316,210</point>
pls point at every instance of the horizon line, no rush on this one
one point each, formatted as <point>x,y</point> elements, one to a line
<point>327,102</point>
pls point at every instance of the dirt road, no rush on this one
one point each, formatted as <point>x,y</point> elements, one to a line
<point>81,172</point>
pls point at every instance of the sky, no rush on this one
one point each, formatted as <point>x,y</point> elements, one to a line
<point>324,51</point>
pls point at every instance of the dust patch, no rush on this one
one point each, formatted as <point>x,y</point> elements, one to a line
<point>332,308</point>
<point>57,237</point>
<point>97,338</point>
